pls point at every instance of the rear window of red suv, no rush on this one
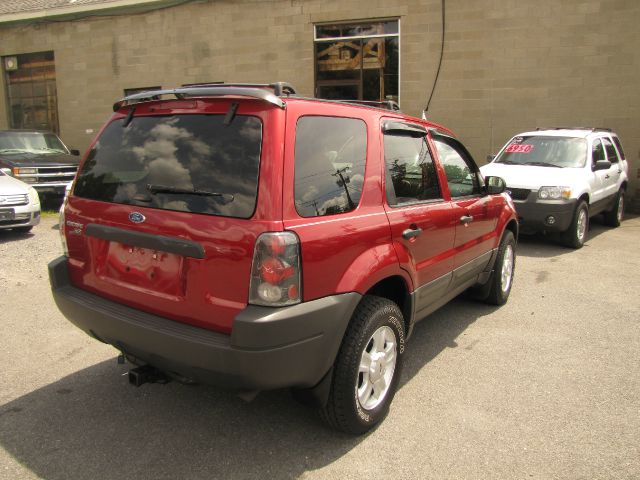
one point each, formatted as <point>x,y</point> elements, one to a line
<point>186,163</point>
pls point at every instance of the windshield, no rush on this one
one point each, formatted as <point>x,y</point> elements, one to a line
<point>30,142</point>
<point>545,151</point>
<point>187,163</point>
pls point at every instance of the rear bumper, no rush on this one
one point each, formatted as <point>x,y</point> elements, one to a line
<point>534,214</point>
<point>268,347</point>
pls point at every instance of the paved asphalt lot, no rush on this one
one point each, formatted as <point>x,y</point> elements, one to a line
<point>547,386</point>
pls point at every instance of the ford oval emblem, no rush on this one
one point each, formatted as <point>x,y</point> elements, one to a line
<point>137,217</point>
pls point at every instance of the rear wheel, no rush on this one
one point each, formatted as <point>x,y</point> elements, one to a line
<point>613,217</point>
<point>576,235</point>
<point>367,369</point>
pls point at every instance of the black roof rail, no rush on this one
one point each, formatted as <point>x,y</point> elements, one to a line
<point>252,90</point>
<point>593,129</point>
<point>386,104</point>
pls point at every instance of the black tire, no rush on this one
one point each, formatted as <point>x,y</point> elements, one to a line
<point>613,217</point>
<point>22,229</point>
<point>576,234</point>
<point>344,410</point>
<point>501,279</point>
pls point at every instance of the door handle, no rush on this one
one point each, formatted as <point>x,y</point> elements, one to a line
<point>411,233</point>
<point>606,176</point>
<point>466,219</point>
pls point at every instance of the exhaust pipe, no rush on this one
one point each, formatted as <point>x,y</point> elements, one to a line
<point>147,374</point>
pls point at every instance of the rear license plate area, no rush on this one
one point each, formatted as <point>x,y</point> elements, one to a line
<point>143,269</point>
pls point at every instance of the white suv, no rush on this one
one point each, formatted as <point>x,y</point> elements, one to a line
<point>560,177</point>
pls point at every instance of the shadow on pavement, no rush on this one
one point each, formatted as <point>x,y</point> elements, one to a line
<point>546,246</point>
<point>7,236</point>
<point>92,424</point>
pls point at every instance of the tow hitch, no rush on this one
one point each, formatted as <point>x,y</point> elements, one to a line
<point>147,374</point>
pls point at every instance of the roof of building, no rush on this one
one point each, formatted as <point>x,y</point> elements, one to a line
<point>30,10</point>
<point>21,6</point>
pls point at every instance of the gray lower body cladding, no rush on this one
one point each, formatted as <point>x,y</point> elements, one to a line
<point>268,348</point>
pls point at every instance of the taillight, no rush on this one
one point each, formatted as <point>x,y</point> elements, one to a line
<point>61,229</point>
<point>275,272</point>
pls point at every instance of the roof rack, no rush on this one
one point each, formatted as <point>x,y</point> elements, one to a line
<point>386,104</point>
<point>593,129</point>
<point>252,90</point>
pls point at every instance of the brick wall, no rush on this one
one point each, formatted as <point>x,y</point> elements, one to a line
<point>509,65</point>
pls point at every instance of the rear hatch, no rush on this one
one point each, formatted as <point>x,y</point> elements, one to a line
<point>168,203</point>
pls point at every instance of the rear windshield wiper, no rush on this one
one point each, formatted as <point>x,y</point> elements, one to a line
<point>227,197</point>
<point>542,164</point>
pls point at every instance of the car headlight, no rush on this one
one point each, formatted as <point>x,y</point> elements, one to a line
<point>554,193</point>
<point>33,196</point>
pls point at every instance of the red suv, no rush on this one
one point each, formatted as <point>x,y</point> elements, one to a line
<point>241,236</point>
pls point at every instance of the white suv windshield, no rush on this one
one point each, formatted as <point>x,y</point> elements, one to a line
<point>545,151</point>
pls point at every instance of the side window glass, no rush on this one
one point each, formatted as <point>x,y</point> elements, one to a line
<point>411,173</point>
<point>597,152</point>
<point>612,155</point>
<point>330,159</point>
<point>616,140</point>
<point>461,177</point>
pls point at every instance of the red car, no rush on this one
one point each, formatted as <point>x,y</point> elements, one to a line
<point>242,236</point>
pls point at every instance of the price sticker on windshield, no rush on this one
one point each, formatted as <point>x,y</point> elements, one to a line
<point>519,148</point>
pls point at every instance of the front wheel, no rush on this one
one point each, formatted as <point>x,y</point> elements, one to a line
<point>576,235</point>
<point>502,277</point>
<point>368,367</point>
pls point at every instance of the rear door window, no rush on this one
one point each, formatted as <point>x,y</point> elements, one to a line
<point>330,158</point>
<point>411,173</point>
<point>612,155</point>
<point>616,140</point>
<point>186,163</point>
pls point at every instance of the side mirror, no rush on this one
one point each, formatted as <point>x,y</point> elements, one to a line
<point>490,158</point>
<point>602,165</point>
<point>74,151</point>
<point>495,185</point>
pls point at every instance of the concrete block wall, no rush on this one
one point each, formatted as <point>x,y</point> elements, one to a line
<point>509,65</point>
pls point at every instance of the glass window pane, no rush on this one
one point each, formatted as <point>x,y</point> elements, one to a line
<point>330,159</point>
<point>462,180</point>
<point>389,27</point>
<point>211,167</point>
<point>411,173</point>
<point>619,145</point>
<point>597,151</point>
<point>390,69</point>
<point>370,63</point>
<point>338,92</point>
<point>338,60</point>
<point>566,152</point>
<point>612,155</point>
<point>31,82</point>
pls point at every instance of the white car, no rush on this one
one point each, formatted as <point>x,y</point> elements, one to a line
<point>560,177</point>
<point>19,204</point>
